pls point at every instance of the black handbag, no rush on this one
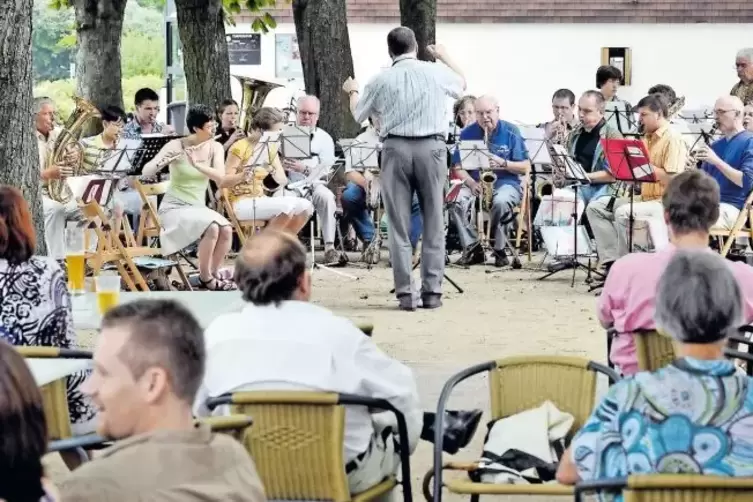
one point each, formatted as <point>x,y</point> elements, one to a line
<point>459,428</point>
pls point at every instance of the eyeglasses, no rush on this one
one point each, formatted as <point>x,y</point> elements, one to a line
<point>741,65</point>
<point>486,113</point>
<point>722,112</point>
<point>301,112</point>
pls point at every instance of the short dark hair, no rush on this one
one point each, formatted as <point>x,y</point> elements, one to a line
<point>654,102</point>
<point>24,429</point>
<point>606,73</point>
<point>224,104</point>
<point>564,93</point>
<point>691,202</point>
<point>17,236</point>
<point>163,333</point>
<point>401,40</point>
<point>198,116</point>
<point>269,268</point>
<point>145,94</point>
<point>669,94</point>
<point>113,114</point>
<point>266,117</point>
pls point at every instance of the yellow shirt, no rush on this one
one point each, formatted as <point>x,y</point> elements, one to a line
<point>666,150</point>
<point>244,149</point>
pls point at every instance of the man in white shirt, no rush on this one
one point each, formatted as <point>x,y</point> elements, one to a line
<point>281,341</point>
<point>322,153</point>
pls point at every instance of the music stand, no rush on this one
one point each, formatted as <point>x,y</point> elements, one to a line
<point>150,147</point>
<point>577,176</point>
<point>700,131</point>
<point>698,115</point>
<point>474,155</point>
<point>629,162</point>
<point>296,141</point>
<point>619,115</point>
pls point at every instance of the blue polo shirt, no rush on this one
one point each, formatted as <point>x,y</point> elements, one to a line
<point>737,152</point>
<point>505,142</point>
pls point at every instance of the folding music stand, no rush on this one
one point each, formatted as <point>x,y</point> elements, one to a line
<point>620,116</point>
<point>577,176</point>
<point>150,147</point>
<point>629,161</point>
<point>296,141</point>
<point>700,132</point>
<point>474,155</point>
<point>698,115</point>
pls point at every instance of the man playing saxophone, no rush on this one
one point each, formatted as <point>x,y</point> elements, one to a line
<point>509,161</point>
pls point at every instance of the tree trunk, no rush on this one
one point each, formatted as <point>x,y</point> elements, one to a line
<point>322,30</point>
<point>99,28</point>
<point>19,156</point>
<point>421,17</point>
<point>206,63</point>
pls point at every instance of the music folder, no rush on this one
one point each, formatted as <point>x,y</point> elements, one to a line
<point>628,160</point>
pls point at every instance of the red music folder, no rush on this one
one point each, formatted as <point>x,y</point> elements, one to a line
<point>628,160</point>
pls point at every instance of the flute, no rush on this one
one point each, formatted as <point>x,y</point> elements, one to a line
<point>168,159</point>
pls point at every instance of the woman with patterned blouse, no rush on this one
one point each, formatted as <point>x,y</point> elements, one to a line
<point>35,306</point>
<point>694,416</point>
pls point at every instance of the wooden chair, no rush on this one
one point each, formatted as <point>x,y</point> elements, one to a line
<point>518,384</point>
<point>297,443</point>
<point>244,228</point>
<point>726,238</point>
<point>652,349</point>
<point>54,394</point>
<point>524,216</point>
<point>671,488</point>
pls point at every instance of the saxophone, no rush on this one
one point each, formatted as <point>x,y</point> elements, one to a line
<point>67,152</point>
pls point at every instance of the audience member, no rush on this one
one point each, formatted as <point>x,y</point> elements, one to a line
<point>148,363</point>
<point>694,416</point>
<point>281,341</point>
<point>691,207</point>
<point>23,433</point>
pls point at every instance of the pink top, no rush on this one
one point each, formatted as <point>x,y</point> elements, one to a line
<point>627,300</point>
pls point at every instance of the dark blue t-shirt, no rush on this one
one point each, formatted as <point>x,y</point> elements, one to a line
<point>737,152</point>
<point>505,142</point>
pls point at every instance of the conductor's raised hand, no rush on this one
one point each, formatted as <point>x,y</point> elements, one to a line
<point>350,85</point>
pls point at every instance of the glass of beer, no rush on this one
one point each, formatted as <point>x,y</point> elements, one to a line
<point>108,291</point>
<point>75,259</point>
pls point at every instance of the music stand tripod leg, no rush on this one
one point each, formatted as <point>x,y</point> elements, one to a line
<point>446,277</point>
<point>315,265</point>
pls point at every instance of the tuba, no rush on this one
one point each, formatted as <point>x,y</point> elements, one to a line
<point>255,92</point>
<point>68,152</point>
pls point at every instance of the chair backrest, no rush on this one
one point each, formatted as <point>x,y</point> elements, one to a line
<point>687,487</point>
<point>297,443</point>
<point>521,383</point>
<point>653,350</point>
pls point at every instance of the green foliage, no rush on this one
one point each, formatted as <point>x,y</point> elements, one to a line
<point>61,91</point>
<point>51,56</point>
<point>261,23</point>
<point>140,55</point>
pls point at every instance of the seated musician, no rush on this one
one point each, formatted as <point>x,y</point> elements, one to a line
<point>282,341</point>
<point>354,201</point>
<point>464,111</point>
<point>509,162</point>
<point>668,155</point>
<point>744,65</point>
<point>113,120</point>
<point>692,416</point>
<point>227,116</point>
<point>322,153</point>
<point>690,203</point>
<point>563,123</point>
<point>730,160</point>
<point>748,117</point>
<point>674,106</point>
<point>282,212</point>
<point>184,217</point>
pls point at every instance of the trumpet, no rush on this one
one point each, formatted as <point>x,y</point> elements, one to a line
<point>170,158</point>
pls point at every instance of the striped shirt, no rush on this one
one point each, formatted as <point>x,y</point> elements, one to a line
<point>410,98</point>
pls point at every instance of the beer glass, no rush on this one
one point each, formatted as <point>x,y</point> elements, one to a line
<point>108,291</point>
<point>75,259</point>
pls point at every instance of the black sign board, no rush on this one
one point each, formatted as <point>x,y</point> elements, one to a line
<point>244,49</point>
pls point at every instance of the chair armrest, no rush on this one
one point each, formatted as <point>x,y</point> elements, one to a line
<point>214,402</point>
<point>598,485</point>
<point>604,370</point>
<point>453,381</point>
<point>75,354</point>
<point>226,423</point>
<point>402,430</point>
<point>86,441</point>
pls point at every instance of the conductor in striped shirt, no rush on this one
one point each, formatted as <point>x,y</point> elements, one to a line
<point>410,98</point>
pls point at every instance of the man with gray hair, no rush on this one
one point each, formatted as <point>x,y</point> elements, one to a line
<point>322,153</point>
<point>744,65</point>
<point>691,208</point>
<point>661,421</point>
<point>410,99</point>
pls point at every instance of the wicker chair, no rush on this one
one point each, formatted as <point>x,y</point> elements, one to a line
<point>672,488</point>
<point>517,384</point>
<point>653,349</point>
<point>297,443</point>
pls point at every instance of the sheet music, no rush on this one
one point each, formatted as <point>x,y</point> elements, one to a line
<point>474,155</point>
<point>573,170</point>
<point>314,178</point>
<point>117,160</point>
<point>363,154</point>
<point>296,141</point>
<point>535,140</point>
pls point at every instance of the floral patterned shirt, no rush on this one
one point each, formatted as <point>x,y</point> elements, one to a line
<point>692,417</point>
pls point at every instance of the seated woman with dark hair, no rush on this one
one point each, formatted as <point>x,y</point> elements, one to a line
<point>281,212</point>
<point>694,416</point>
<point>35,307</point>
<point>23,433</point>
<point>184,215</point>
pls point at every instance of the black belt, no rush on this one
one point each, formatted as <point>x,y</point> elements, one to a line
<point>439,137</point>
<point>353,464</point>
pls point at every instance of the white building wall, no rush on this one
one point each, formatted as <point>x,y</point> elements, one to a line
<point>523,64</point>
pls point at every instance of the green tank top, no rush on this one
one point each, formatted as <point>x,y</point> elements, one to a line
<point>187,183</point>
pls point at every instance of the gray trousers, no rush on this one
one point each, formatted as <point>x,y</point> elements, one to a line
<point>408,166</point>
<point>463,215</point>
<point>609,246</point>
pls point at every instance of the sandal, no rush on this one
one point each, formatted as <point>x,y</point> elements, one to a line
<point>215,284</point>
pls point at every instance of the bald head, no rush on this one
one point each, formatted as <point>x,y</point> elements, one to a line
<point>308,110</point>
<point>487,112</point>
<point>729,114</point>
<point>271,268</point>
